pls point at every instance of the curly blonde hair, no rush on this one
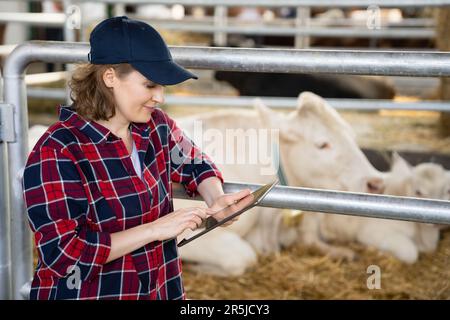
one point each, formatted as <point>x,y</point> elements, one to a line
<point>92,99</point>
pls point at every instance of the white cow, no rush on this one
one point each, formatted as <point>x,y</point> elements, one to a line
<point>329,158</point>
<point>403,239</point>
<point>317,149</point>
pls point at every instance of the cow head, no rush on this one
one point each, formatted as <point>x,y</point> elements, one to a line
<point>430,181</point>
<point>318,148</point>
<point>426,180</point>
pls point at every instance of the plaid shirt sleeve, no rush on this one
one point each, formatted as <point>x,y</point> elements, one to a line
<point>189,165</point>
<point>57,211</point>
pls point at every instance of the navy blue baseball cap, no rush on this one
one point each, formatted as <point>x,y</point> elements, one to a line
<point>123,40</point>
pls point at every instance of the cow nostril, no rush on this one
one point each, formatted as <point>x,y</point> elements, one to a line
<point>375,186</point>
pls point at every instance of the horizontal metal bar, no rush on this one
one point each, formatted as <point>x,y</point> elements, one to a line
<point>291,103</point>
<point>32,18</point>
<point>330,32</point>
<point>312,21</point>
<point>273,102</point>
<point>407,63</point>
<point>46,93</point>
<point>286,3</point>
<point>407,22</point>
<point>357,204</point>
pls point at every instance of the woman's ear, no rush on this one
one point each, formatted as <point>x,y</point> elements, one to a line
<point>109,77</point>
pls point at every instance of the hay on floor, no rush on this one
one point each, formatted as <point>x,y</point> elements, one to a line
<point>304,273</point>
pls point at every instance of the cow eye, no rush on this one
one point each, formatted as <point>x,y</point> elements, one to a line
<point>323,145</point>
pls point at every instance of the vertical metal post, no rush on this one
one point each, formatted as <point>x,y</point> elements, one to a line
<point>5,216</point>
<point>21,245</point>
<point>220,20</point>
<point>301,21</point>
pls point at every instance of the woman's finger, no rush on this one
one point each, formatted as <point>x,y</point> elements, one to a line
<point>190,225</point>
<point>197,219</point>
<point>201,212</point>
<point>238,195</point>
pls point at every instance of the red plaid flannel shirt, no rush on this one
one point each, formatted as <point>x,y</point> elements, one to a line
<point>80,186</point>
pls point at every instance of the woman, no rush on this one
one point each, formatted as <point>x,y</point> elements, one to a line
<point>98,184</point>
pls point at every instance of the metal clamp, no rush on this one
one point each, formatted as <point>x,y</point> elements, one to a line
<point>7,123</point>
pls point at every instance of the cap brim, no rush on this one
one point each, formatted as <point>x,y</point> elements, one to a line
<point>163,72</point>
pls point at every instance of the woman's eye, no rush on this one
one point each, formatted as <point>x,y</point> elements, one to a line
<point>150,86</point>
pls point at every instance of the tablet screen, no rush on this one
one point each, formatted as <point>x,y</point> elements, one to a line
<point>232,211</point>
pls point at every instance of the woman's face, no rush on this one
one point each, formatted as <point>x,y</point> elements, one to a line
<point>136,96</point>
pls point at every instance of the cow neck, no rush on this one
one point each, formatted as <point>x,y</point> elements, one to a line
<point>276,154</point>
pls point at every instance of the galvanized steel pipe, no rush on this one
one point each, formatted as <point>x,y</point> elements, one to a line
<point>329,32</point>
<point>357,204</point>
<point>273,102</point>
<point>393,63</point>
<point>288,3</point>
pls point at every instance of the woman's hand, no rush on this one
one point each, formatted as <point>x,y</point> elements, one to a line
<point>227,200</point>
<point>166,227</point>
<point>174,223</point>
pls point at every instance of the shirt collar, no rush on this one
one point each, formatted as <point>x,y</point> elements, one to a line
<point>95,131</point>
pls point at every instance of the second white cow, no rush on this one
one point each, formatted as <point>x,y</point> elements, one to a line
<point>403,239</point>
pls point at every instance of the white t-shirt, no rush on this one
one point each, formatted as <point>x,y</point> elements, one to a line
<point>135,161</point>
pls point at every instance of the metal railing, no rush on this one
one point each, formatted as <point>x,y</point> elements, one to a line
<point>41,19</point>
<point>329,32</point>
<point>287,3</point>
<point>348,203</point>
<point>5,210</point>
<point>263,60</point>
<point>273,102</point>
<point>303,26</point>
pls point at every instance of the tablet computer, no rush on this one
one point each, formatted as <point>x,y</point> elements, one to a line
<point>232,211</point>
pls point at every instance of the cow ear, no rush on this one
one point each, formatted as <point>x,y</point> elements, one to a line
<point>400,165</point>
<point>267,116</point>
<point>308,101</point>
<point>274,120</point>
<point>311,103</point>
